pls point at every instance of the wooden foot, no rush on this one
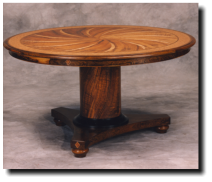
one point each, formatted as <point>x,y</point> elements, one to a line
<point>80,153</point>
<point>58,122</point>
<point>84,137</point>
<point>162,129</point>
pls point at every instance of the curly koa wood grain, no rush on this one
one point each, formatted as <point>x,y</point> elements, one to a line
<point>103,45</point>
<point>99,40</point>
<point>100,97</point>
<point>100,92</point>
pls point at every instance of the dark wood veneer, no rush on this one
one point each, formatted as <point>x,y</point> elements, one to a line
<point>104,62</point>
<point>83,138</point>
<point>100,92</point>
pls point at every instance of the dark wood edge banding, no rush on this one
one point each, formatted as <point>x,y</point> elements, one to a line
<point>100,63</point>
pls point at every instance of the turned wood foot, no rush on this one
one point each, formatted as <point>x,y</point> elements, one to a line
<point>162,129</point>
<point>58,122</point>
<point>80,153</point>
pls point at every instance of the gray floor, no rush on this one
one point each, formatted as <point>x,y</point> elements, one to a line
<point>33,141</point>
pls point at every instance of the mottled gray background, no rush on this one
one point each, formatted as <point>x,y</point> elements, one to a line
<point>31,139</point>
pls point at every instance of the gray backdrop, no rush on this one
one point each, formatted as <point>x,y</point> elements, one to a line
<point>31,139</point>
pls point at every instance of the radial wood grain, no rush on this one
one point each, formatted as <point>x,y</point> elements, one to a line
<point>103,45</point>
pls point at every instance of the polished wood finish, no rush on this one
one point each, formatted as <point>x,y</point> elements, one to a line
<point>99,51</point>
<point>80,153</point>
<point>162,129</point>
<point>101,63</point>
<point>100,92</point>
<point>83,138</point>
<point>100,45</point>
<point>100,98</point>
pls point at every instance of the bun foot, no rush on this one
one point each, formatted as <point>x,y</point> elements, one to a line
<point>58,122</point>
<point>80,153</point>
<point>162,129</point>
<point>84,137</point>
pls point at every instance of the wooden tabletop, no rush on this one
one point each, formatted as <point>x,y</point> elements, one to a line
<point>103,45</point>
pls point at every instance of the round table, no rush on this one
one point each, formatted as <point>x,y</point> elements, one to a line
<point>100,51</point>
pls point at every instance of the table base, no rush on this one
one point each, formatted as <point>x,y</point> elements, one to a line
<point>84,137</point>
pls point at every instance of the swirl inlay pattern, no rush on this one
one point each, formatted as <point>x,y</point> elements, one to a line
<point>99,45</point>
<point>99,40</point>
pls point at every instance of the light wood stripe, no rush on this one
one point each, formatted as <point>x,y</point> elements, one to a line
<point>111,48</point>
<point>99,41</point>
<point>84,46</point>
<point>70,35</point>
<point>136,44</point>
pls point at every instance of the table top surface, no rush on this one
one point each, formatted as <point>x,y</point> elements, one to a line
<point>99,45</point>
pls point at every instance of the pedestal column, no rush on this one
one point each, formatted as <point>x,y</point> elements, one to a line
<point>100,97</point>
